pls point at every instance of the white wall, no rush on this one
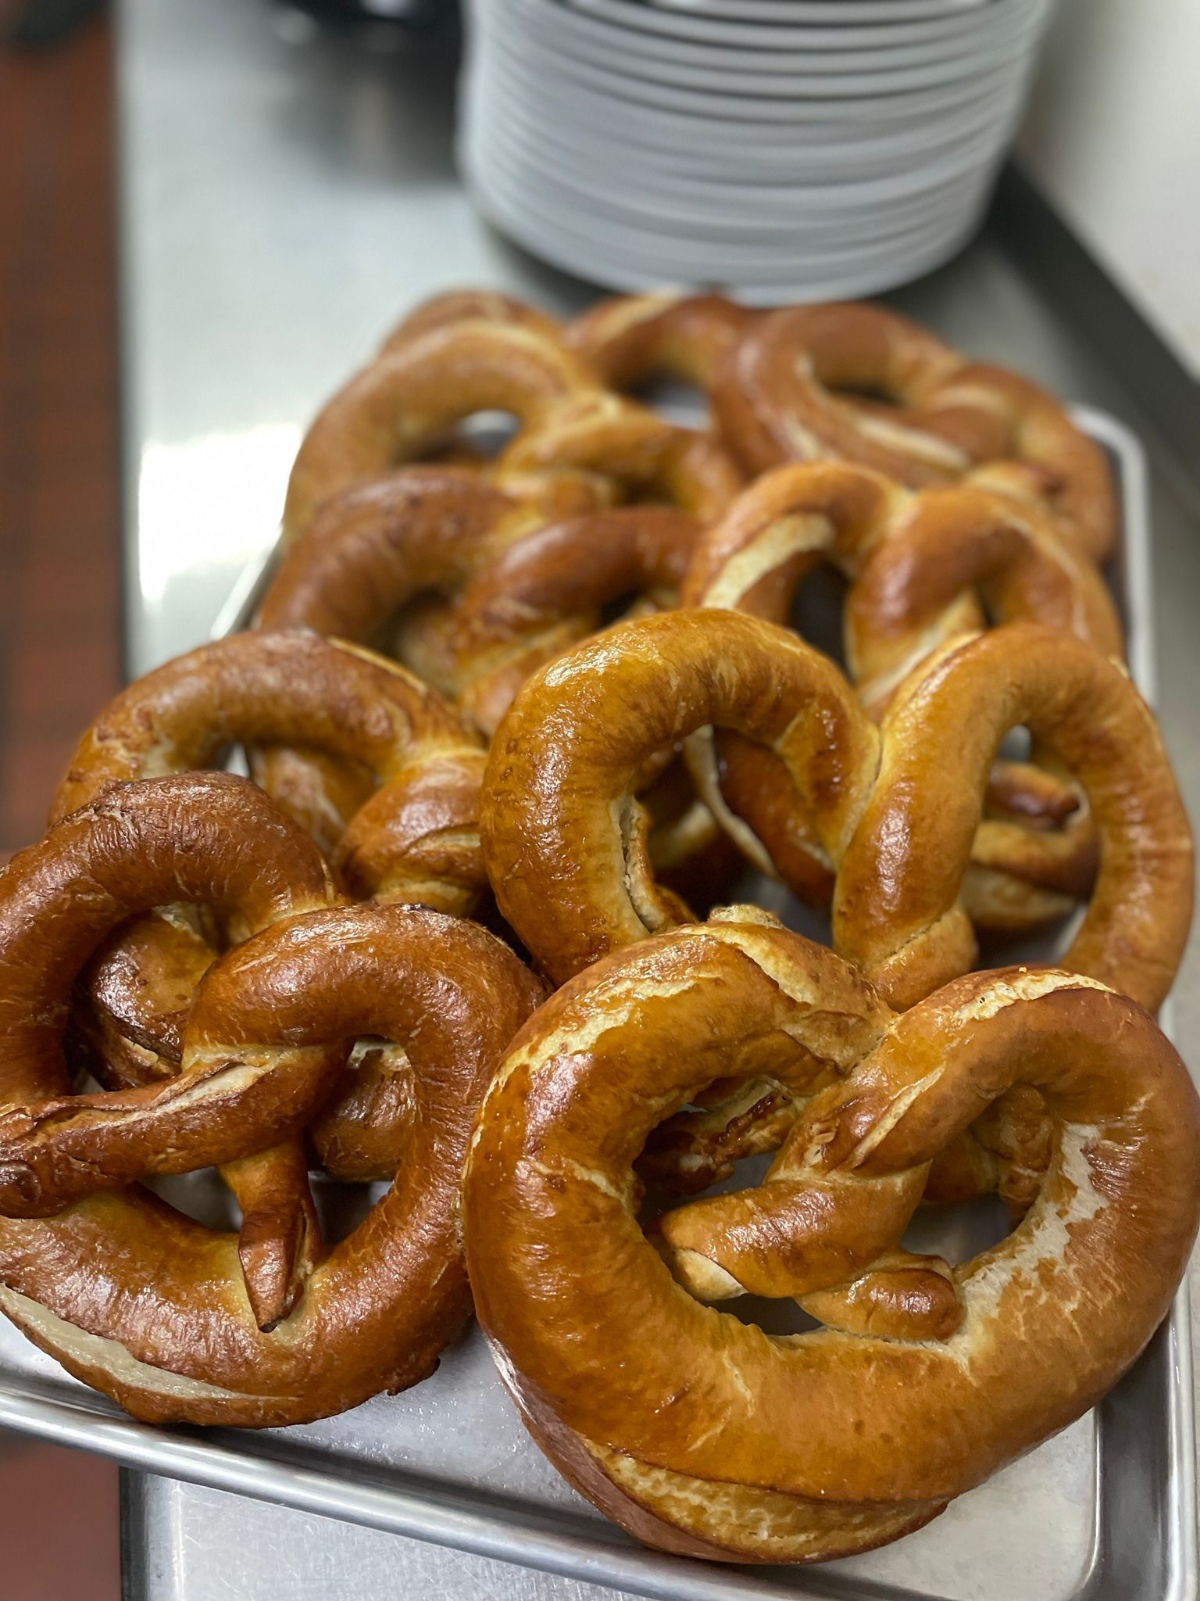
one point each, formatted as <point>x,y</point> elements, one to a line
<point>1113,139</point>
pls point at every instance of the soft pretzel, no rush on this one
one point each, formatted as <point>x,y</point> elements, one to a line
<point>469,305</point>
<point>139,1300</point>
<point>649,457</point>
<point>86,876</point>
<point>404,402</point>
<point>546,591</point>
<point>902,922</point>
<point>793,388</point>
<point>369,552</point>
<point>893,811</point>
<point>415,839</point>
<point>922,568</point>
<point>705,1436</point>
<point>630,339</point>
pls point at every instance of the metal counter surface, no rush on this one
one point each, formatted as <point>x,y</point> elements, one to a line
<point>286,193</point>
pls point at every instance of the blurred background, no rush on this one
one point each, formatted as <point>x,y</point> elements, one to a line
<point>781,148</point>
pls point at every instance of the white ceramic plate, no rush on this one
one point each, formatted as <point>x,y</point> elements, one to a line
<point>720,210</point>
<point>787,50</point>
<point>620,68</point>
<point>740,140</point>
<point>656,157</point>
<point>835,12</point>
<point>613,87</point>
<point>618,269</point>
<point>606,219</point>
<point>737,24</point>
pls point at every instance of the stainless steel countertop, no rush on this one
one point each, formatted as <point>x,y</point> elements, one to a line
<point>286,194</point>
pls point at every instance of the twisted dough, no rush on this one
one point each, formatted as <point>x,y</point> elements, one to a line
<point>369,552</point>
<point>922,569</point>
<point>59,899</point>
<point>650,457</point>
<point>629,339</point>
<point>409,399</point>
<point>133,1297</point>
<point>708,1437</point>
<point>415,839</point>
<point>894,812</point>
<point>545,592</point>
<point>792,389</point>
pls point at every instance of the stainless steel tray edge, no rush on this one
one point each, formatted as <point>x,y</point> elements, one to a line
<point>596,1553</point>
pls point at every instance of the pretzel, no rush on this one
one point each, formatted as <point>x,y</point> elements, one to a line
<point>369,552</point>
<point>649,457</point>
<point>894,811</point>
<point>629,339</point>
<point>137,1299</point>
<point>922,568</point>
<point>415,838</point>
<point>544,592</point>
<point>792,388</point>
<point>709,1438</point>
<point>405,402</point>
<point>469,305</point>
<point>205,820</point>
<point>905,927</point>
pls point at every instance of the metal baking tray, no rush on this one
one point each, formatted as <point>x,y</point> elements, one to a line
<point>1104,1511</point>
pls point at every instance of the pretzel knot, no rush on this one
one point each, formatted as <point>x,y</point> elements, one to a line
<point>923,568</point>
<point>705,1436</point>
<point>631,339</point>
<point>795,387</point>
<point>140,1300</point>
<point>894,811</point>
<point>415,838</point>
<point>410,399</point>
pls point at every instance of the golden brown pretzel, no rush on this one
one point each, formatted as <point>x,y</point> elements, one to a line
<point>905,926</point>
<point>922,566</point>
<point>563,834</point>
<point>139,1300</point>
<point>469,305</point>
<point>705,1436</point>
<point>792,389</point>
<point>649,457</point>
<point>403,403</point>
<point>414,839</point>
<point>208,818</point>
<point>894,811</point>
<point>370,551</point>
<point>629,339</point>
<point>544,592</point>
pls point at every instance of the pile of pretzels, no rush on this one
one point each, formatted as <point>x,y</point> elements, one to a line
<point>522,707</point>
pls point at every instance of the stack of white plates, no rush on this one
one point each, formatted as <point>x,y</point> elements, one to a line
<point>781,148</point>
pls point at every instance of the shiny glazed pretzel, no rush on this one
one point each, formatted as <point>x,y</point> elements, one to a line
<point>894,811</point>
<point>410,398</point>
<point>705,1436</point>
<point>630,339</point>
<point>793,389</point>
<point>415,838</point>
<point>527,580</point>
<point>415,536</point>
<point>132,1296</point>
<point>923,568</point>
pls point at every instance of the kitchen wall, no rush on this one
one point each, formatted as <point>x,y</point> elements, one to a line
<point>1113,140</point>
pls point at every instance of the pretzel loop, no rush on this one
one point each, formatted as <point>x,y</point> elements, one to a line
<point>708,1437</point>
<point>921,569</point>
<point>137,1299</point>
<point>803,383</point>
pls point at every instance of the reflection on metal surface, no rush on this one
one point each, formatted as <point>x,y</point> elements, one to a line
<point>210,502</point>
